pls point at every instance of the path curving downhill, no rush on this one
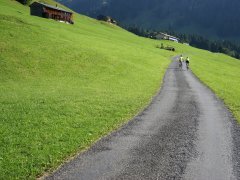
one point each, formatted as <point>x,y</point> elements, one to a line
<point>185,133</point>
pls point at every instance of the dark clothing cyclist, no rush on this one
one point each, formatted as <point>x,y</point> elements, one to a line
<point>187,62</point>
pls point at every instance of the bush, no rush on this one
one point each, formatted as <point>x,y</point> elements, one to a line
<point>25,2</point>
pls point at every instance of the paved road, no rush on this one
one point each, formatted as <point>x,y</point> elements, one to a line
<point>185,133</point>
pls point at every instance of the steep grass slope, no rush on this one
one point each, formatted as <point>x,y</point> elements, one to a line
<point>64,86</point>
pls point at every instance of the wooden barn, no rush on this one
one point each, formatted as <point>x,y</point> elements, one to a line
<point>52,12</point>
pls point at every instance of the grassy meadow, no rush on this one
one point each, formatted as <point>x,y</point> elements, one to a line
<point>62,87</point>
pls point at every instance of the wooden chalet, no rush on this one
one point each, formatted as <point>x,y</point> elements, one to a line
<point>51,12</point>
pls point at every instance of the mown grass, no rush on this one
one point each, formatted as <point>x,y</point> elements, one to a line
<point>219,72</point>
<point>63,86</point>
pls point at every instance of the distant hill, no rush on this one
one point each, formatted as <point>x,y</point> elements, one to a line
<point>216,19</point>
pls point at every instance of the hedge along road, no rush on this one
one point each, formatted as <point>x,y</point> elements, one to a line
<point>185,133</point>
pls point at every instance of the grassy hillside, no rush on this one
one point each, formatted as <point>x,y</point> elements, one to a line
<point>64,86</point>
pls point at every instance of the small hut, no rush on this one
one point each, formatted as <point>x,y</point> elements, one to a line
<point>107,19</point>
<point>51,12</point>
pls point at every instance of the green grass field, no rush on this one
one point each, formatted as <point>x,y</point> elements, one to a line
<point>62,87</point>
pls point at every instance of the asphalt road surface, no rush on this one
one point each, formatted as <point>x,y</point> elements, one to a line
<point>185,133</point>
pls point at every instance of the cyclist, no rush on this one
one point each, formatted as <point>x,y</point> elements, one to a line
<point>187,63</point>
<point>180,61</point>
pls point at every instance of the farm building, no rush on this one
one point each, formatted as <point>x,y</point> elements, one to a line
<point>107,19</point>
<point>52,12</point>
<point>166,37</point>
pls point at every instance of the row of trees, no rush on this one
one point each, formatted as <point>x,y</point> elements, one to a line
<point>220,46</point>
<point>25,2</point>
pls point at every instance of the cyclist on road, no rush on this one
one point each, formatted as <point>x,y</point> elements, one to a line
<point>180,61</point>
<point>187,63</point>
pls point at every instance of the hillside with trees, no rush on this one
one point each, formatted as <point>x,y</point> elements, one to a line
<point>218,46</point>
<point>203,17</point>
